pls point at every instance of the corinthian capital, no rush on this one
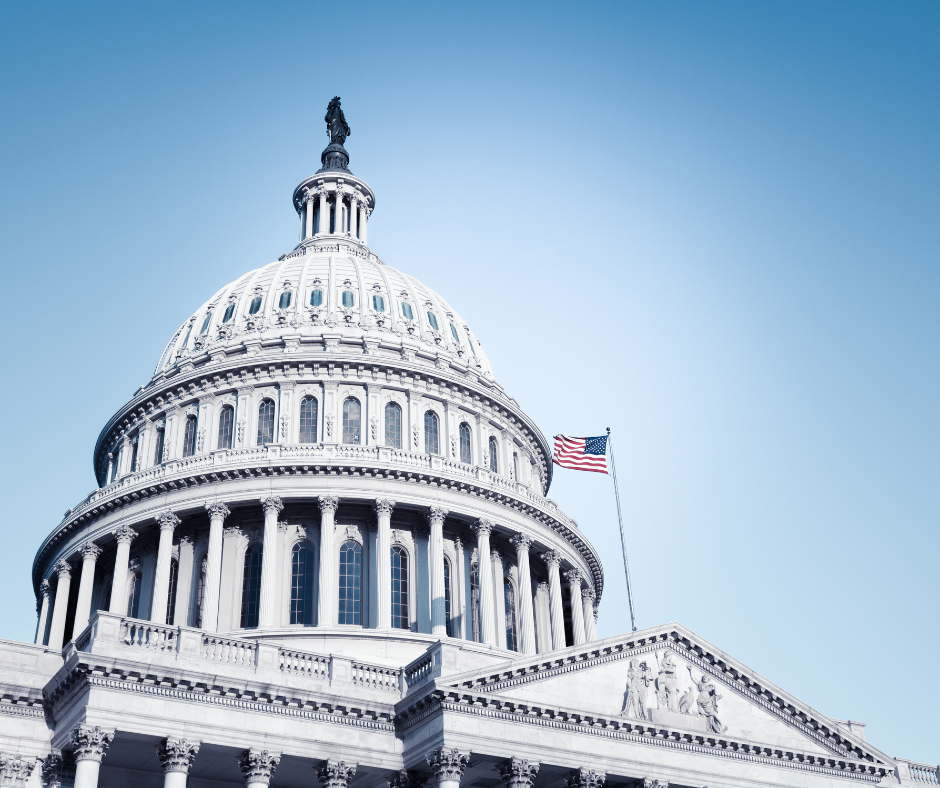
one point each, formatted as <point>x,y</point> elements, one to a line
<point>552,559</point>
<point>124,535</point>
<point>521,542</point>
<point>447,764</point>
<point>589,592</point>
<point>217,510</point>
<point>167,520</point>
<point>176,755</point>
<point>328,503</point>
<point>517,772</point>
<point>45,588</point>
<point>15,770</point>
<point>482,527</point>
<point>54,765</point>
<point>384,506</point>
<point>90,743</point>
<point>436,515</point>
<point>573,576</point>
<point>401,779</point>
<point>258,765</point>
<point>335,774</point>
<point>90,551</point>
<point>585,778</point>
<point>272,504</point>
<point>63,569</point>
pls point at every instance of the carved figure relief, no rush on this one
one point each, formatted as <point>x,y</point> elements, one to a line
<point>667,683</point>
<point>639,678</point>
<point>707,702</point>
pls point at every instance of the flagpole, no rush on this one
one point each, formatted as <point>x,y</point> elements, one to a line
<point>623,539</point>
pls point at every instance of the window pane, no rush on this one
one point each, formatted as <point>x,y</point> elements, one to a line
<point>454,333</point>
<point>171,594</point>
<point>494,464</point>
<point>301,585</point>
<point>309,413</point>
<point>226,427</point>
<point>205,324</point>
<point>406,310</point>
<point>284,301</point>
<point>255,305</point>
<point>510,598</point>
<point>350,583</point>
<point>431,444</point>
<point>316,298</point>
<point>251,587</point>
<point>465,443</point>
<point>351,420</point>
<point>400,618</point>
<point>134,455</point>
<point>447,619</point>
<point>349,300</point>
<point>189,438</point>
<point>229,311</point>
<point>158,450</point>
<point>432,320</point>
<point>393,425</point>
<point>475,600</point>
<point>266,422</point>
<point>378,303</point>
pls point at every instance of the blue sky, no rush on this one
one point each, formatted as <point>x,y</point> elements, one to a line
<point>711,227</point>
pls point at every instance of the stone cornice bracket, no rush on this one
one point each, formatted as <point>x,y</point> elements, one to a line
<point>63,569</point>
<point>329,503</point>
<point>335,774</point>
<point>177,755</point>
<point>482,528</point>
<point>436,514</point>
<point>517,772</point>
<point>90,551</point>
<point>573,576</point>
<point>383,506</point>
<point>521,541</point>
<point>167,520</point>
<point>125,534</point>
<point>272,504</point>
<point>585,778</point>
<point>447,765</point>
<point>15,770</point>
<point>217,510</point>
<point>552,558</point>
<point>258,765</point>
<point>90,743</point>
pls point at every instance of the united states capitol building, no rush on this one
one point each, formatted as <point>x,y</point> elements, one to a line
<point>321,553</point>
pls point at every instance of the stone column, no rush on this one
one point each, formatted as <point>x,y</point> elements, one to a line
<point>585,778</point>
<point>487,625</point>
<point>499,598</point>
<point>184,578</point>
<point>90,553</point>
<point>44,591</point>
<point>335,774</point>
<point>210,594</point>
<point>577,606</point>
<point>517,772</point>
<point>543,634</point>
<point>353,214</point>
<point>383,563</point>
<point>447,767</point>
<point>161,577</point>
<point>176,756</point>
<point>57,632</point>
<point>436,516</point>
<point>338,223</point>
<point>268,613</point>
<point>326,610</point>
<point>526,619</point>
<point>309,197</point>
<point>258,766</point>
<point>552,560</point>
<point>458,599</point>
<point>364,223</point>
<point>324,214</point>
<point>124,536</point>
<point>590,623</point>
<point>89,745</point>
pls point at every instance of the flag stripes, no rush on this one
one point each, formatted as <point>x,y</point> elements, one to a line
<point>581,454</point>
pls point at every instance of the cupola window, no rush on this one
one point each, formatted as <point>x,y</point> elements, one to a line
<point>309,416</point>
<point>205,323</point>
<point>431,432</point>
<point>229,311</point>
<point>378,303</point>
<point>400,617</point>
<point>352,420</point>
<point>494,462</point>
<point>454,334</point>
<point>284,303</point>
<point>432,320</point>
<point>406,311</point>
<point>465,443</point>
<point>251,587</point>
<point>301,585</point>
<point>350,583</point>
<point>226,427</point>
<point>316,298</point>
<point>393,425</point>
<point>189,437</point>
<point>255,305</point>
<point>266,422</point>
<point>349,299</point>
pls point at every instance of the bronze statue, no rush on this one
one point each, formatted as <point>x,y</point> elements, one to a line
<point>336,124</point>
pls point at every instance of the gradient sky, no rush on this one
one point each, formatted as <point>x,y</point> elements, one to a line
<point>712,227</point>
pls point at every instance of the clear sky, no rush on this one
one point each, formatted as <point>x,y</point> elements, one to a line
<point>712,227</point>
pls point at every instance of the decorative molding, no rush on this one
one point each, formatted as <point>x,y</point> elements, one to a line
<point>258,765</point>
<point>90,743</point>
<point>177,755</point>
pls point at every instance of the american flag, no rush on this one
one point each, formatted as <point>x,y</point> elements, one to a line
<point>582,454</point>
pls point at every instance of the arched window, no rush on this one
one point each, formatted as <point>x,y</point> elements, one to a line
<point>378,303</point>
<point>255,305</point>
<point>431,442</point>
<point>432,319</point>
<point>158,449</point>
<point>134,454</point>
<point>349,299</point>
<point>266,422</point>
<point>465,455</point>
<point>229,311</point>
<point>284,301</point>
<point>301,584</point>
<point>512,642</point>
<point>251,587</point>
<point>352,420</point>
<point>189,437</point>
<point>400,618</point>
<point>226,427</point>
<point>406,311</point>
<point>494,461</point>
<point>350,583</point>
<point>393,425</point>
<point>475,601</point>
<point>447,597</point>
<point>133,598</point>
<point>309,414</point>
<point>454,334</point>
<point>316,298</point>
<point>171,593</point>
<point>205,323</point>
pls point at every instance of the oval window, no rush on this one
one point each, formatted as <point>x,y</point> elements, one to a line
<point>349,300</point>
<point>285,300</point>
<point>229,311</point>
<point>432,320</point>
<point>406,310</point>
<point>205,324</point>
<point>255,305</point>
<point>454,333</point>
<point>316,298</point>
<point>378,303</point>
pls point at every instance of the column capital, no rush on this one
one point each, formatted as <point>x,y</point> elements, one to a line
<point>187,535</point>
<point>482,528</point>
<point>543,586</point>
<point>63,569</point>
<point>90,743</point>
<point>585,778</point>
<point>552,558</point>
<point>589,592</point>
<point>335,774</point>
<point>458,543</point>
<point>258,765</point>
<point>573,576</point>
<point>15,770</point>
<point>272,504</point>
<point>328,503</point>
<point>436,514</point>
<point>521,542</point>
<point>517,772</point>
<point>53,766</point>
<point>217,510</point>
<point>383,506</point>
<point>447,764</point>
<point>401,779</point>
<point>45,588</point>
<point>650,782</point>
<point>90,551</point>
<point>124,535</point>
<point>176,755</point>
<point>232,530</point>
<point>167,520</point>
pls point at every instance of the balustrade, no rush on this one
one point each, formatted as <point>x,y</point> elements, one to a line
<point>144,634</point>
<point>376,677</point>
<point>302,663</point>
<point>229,650</point>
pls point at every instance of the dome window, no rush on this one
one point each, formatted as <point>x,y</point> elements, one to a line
<point>205,323</point>
<point>378,303</point>
<point>229,311</point>
<point>406,311</point>
<point>284,303</point>
<point>432,320</point>
<point>255,305</point>
<point>316,298</point>
<point>454,334</point>
<point>349,299</point>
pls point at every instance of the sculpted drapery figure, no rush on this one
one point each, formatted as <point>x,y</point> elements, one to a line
<point>707,702</point>
<point>336,124</point>
<point>667,690</point>
<point>639,678</point>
